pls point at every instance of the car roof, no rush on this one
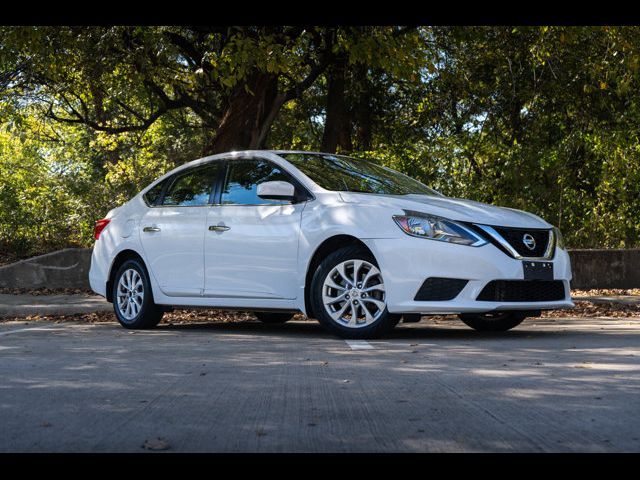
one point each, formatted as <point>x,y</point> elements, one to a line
<point>240,153</point>
<point>230,155</point>
<point>305,152</point>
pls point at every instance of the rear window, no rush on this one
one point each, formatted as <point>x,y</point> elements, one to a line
<point>152,197</point>
<point>192,187</point>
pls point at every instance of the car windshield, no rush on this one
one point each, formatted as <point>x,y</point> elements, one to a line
<point>347,174</point>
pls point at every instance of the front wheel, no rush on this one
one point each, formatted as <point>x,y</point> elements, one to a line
<point>492,321</point>
<point>132,297</point>
<point>348,295</point>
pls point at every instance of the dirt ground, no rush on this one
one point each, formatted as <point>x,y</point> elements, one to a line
<point>584,308</point>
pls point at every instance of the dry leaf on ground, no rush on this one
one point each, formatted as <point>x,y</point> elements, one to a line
<point>156,444</point>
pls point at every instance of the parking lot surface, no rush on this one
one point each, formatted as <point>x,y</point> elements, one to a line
<point>555,385</point>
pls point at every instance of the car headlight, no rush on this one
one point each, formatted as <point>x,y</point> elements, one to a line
<point>432,227</point>
<point>559,238</point>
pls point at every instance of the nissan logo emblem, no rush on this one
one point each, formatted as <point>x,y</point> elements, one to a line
<point>529,241</point>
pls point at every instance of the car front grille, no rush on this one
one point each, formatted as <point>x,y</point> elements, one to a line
<point>439,289</point>
<point>522,291</point>
<point>515,237</point>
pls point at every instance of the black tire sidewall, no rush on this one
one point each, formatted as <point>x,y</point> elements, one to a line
<point>149,315</point>
<point>382,325</point>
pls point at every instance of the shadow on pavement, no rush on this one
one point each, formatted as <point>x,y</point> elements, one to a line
<point>313,329</point>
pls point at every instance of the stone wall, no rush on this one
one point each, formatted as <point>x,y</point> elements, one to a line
<point>69,268</point>
<point>607,268</point>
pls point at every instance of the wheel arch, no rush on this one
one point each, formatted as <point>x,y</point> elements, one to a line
<point>328,246</point>
<point>119,259</point>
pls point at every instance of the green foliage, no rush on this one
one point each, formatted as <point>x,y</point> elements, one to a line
<point>544,119</point>
<point>38,210</point>
<point>535,118</point>
<point>56,180</point>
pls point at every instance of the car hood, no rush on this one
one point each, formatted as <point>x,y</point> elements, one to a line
<point>452,208</point>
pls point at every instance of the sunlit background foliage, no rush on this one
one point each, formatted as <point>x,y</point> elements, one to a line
<point>545,119</point>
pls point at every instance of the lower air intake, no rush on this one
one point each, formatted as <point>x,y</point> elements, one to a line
<point>438,289</point>
<point>522,291</point>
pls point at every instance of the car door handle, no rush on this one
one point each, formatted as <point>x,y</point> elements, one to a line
<point>219,228</point>
<point>151,229</point>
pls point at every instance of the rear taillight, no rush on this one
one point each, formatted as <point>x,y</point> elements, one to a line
<point>100,224</point>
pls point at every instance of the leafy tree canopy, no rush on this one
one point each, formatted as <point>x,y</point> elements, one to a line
<point>540,118</point>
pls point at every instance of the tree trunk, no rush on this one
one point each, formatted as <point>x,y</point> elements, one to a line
<point>249,115</point>
<point>337,126</point>
<point>364,109</point>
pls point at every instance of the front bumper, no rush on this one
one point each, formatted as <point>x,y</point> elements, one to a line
<point>407,261</point>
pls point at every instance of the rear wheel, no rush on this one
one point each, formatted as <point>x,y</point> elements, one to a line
<point>132,297</point>
<point>348,295</point>
<point>273,317</point>
<point>493,321</point>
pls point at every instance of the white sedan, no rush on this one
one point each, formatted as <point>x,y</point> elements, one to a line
<point>346,241</point>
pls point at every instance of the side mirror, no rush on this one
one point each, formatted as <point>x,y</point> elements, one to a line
<point>276,190</point>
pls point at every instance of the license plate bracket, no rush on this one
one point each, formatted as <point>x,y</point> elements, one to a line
<point>537,270</point>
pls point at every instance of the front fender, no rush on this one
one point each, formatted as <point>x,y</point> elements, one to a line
<point>320,222</point>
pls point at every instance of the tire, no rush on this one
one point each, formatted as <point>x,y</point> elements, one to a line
<point>376,321</point>
<point>273,317</point>
<point>493,321</point>
<point>140,314</point>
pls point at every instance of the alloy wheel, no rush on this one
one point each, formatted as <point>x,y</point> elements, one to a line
<point>353,293</point>
<point>130,294</point>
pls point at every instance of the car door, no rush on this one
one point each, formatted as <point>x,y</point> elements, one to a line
<point>172,232</point>
<point>251,244</point>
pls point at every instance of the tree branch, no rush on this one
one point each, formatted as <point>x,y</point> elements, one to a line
<point>79,118</point>
<point>187,47</point>
<point>316,71</point>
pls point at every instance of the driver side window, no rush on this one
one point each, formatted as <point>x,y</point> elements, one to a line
<point>243,177</point>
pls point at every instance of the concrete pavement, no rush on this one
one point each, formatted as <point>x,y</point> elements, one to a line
<point>560,385</point>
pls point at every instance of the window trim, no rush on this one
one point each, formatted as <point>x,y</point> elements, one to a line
<point>216,191</point>
<point>215,197</point>
<point>169,181</point>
